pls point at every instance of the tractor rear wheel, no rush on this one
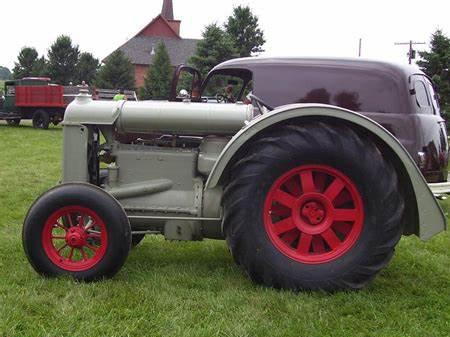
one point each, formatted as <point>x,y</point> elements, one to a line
<point>313,207</point>
<point>77,230</point>
<point>13,122</point>
<point>41,119</point>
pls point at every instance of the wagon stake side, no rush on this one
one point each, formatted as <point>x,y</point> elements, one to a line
<point>307,196</point>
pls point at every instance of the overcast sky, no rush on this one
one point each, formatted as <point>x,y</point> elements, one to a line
<point>292,28</point>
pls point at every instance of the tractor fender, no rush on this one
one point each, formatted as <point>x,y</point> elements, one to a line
<point>428,218</point>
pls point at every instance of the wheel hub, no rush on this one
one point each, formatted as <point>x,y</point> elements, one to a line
<point>76,237</point>
<point>313,212</point>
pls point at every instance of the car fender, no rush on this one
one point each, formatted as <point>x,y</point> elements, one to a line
<point>431,219</point>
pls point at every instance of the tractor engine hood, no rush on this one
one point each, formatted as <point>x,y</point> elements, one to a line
<point>183,118</point>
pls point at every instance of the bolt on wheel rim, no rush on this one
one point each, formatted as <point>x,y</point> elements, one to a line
<point>74,238</point>
<point>313,214</point>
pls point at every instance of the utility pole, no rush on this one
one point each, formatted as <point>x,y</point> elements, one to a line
<point>412,53</point>
<point>360,47</point>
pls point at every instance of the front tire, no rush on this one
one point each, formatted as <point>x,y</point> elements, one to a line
<point>13,122</point>
<point>313,207</point>
<point>77,230</point>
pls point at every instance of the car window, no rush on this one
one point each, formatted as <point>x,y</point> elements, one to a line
<point>224,85</point>
<point>10,90</point>
<point>433,96</point>
<point>422,97</point>
<point>353,89</point>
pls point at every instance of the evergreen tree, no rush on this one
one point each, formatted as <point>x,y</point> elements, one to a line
<point>215,47</point>
<point>158,79</point>
<point>62,60</point>
<point>244,30</point>
<point>435,64</point>
<point>5,74</point>
<point>116,73</point>
<point>28,63</point>
<point>86,68</point>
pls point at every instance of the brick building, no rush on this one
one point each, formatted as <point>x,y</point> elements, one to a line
<point>141,48</point>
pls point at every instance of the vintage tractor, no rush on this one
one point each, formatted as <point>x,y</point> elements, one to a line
<point>308,196</point>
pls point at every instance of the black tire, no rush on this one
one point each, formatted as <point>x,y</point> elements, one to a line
<point>41,119</point>
<point>288,147</point>
<point>136,239</point>
<point>115,226</point>
<point>13,122</point>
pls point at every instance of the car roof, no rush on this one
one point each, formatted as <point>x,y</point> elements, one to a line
<point>342,63</point>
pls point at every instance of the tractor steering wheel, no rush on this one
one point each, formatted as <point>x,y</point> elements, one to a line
<point>262,106</point>
<point>221,98</point>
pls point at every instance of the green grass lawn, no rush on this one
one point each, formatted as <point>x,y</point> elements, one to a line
<point>194,289</point>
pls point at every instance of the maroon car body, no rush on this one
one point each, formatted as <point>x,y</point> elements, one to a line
<point>400,98</point>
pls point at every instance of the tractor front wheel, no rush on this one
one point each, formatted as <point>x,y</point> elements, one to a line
<point>313,207</point>
<point>77,230</point>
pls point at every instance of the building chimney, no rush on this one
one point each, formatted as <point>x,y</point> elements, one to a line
<point>167,10</point>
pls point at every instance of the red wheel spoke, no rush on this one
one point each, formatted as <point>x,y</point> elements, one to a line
<point>91,247</point>
<point>293,186</point>
<point>345,214</point>
<point>81,221</point>
<point>334,189</point>
<point>94,235</point>
<point>61,248</point>
<point>320,179</point>
<point>69,216</point>
<point>284,198</point>
<point>304,243</point>
<point>306,178</point>
<point>283,226</point>
<point>83,254</point>
<point>342,227</point>
<point>331,238</point>
<point>88,227</point>
<point>280,210</point>
<point>58,225</point>
<point>71,253</point>
<point>342,199</point>
<point>318,244</point>
<point>59,237</point>
<point>290,237</point>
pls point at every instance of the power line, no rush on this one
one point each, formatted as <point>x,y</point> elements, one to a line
<point>412,53</point>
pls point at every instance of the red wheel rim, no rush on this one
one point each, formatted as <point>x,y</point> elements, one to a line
<point>74,238</point>
<point>313,214</point>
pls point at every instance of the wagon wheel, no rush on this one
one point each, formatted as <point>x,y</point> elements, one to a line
<point>77,230</point>
<point>325,218</point>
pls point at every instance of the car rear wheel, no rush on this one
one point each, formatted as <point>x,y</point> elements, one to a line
<point>77,230</point>
<point>313,207</point>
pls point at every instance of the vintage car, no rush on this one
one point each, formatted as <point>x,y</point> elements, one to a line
<point>401,98</point>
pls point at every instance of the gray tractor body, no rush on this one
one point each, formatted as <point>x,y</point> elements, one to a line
<point>166,162</point>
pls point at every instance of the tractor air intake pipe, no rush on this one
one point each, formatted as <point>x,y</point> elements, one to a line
<point>182,118</point>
